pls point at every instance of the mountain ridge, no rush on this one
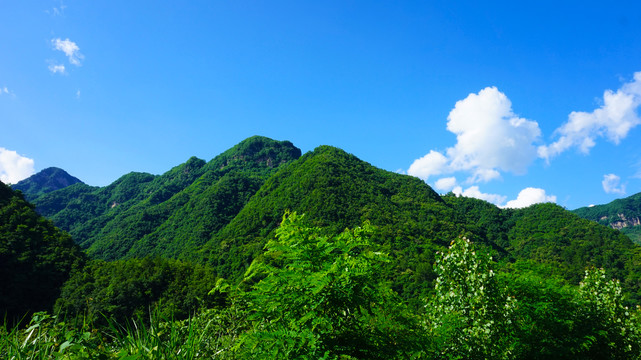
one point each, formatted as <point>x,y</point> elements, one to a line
<point>45,181</point>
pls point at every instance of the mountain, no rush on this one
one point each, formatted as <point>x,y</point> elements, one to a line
<point>621,214</point>
<point>336,190</point>
<point>45,181</point>
<point>170,214</point>
<point>35,257</point>
<point>222,213</point>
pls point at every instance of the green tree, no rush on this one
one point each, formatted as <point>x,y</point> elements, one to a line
<point>471,316</point>
<point>611,330</point>
<point>315,296</point>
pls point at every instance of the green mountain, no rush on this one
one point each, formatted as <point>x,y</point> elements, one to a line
<point>621,214</point>
<point>170,214</point>
<point>35,257</point>
<point>45,181</point>
<point>222,213</point>
<point>336,190</point>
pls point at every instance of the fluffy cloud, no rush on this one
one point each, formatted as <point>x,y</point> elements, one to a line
<point>530,196</point>
<point>445,184</point>
<point>14,167</point>
<point>612,184</point>
<point>490,138</point>
<point>474,192</point>
<point>613,120</point>
<point>526,197</point>
<point>57,68</point>
<point>434,163</point>
<point>70,49</point>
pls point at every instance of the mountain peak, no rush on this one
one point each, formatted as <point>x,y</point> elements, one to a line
<point>45,181</point>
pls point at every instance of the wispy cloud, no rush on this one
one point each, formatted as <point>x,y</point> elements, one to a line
<point>5,91</point>
<point>57,10</point>
<point>70,48</point>
<point>613,120</point>
<point>14,167</point>
<point>57,68</point>
<point>612,184</point>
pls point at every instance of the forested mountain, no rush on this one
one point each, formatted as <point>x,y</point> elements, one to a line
<point>45,181</point>
<point>35,257</point>
<point>622,214</point>
<point>222,213</point>
<point>305,254</point>
<point>170,214</point>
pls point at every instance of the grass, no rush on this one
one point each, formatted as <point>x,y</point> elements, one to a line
<point>208,335</point>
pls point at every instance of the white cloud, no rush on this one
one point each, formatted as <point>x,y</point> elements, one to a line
<point>445,184</point>
<point>57,68</point>
<point>613,120</point>
<point>526,197</point>
<point>530,196</point>
<point>70,49</point>
<point>474,192</point>
<point>14,167</point>
<point>612,184</point>
<point>434,163</point>
<point>490,138</point>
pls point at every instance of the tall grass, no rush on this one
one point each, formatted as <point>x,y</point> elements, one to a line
<point>209,335</point>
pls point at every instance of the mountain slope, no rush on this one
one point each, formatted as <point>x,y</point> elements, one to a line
<point>35,257</point>
<point>45,181</point>
<point>622,214</point>
<point>336,190</point>
<point>155,213</point>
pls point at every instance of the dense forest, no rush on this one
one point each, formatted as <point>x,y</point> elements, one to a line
<point>266,253</point>
<point>622,214</point>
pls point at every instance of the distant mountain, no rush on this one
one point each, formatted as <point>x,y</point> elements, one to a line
<point>45,181</point>
<point>621,214</point>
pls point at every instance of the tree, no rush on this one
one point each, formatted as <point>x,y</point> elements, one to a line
<point>611,330</point>
<point>471,314</point>
<point>321,297</point>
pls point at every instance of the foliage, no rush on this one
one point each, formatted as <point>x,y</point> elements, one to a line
<point>611,330</point>
<point>470,315</point>
<point>172,214</point>
<point>126,289</point>
<point>623,214</point>
<point>36,258</point>
<point>205,336</point>
<point>318,296</point>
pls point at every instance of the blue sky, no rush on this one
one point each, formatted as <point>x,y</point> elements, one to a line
<point>492,99</point>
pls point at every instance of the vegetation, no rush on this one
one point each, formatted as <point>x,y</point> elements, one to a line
<point>35,258</point>
<point>170,215</point>
<point>45,181</point>
<point>623,214</point>
<point>314,295</point>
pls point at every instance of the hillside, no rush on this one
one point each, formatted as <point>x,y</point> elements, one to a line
<point>621,214</point>
<point>222,213</point>
<point>170,214</point>
<point>35,258</point>
<point>45,181</point>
